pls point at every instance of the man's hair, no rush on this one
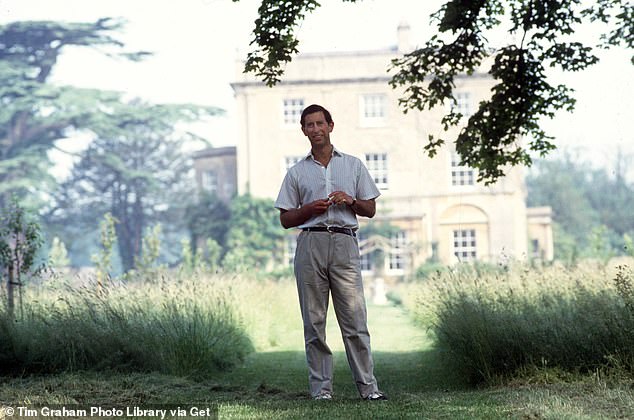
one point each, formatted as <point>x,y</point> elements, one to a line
<point>311,109</point>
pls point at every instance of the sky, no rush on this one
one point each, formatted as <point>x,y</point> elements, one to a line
<point>197,45</point>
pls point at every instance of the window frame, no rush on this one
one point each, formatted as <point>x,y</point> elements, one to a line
<point>463,103</point>
<point>292,117</point>
<point>212,186</point>
<point>396,260</point>
<point>465,235</point>
<point>373,102</point>
<point>458,172</point>
<point>379,169</point>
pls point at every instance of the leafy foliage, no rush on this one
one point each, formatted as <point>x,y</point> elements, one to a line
<point>254,236</point>
<point>621,14</point>
<point>207,218</point>
<point>592,209</point>
<point>135,168</point>
<point>20,240</point>
<point>148,263</point>
<point>34,113</point>
<point>58,254</point>
<point>273,35</point>
<point>39,44</point>
<point>107,239</point>
<point>491,138</point>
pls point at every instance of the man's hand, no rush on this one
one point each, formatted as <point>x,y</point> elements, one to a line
<point>318,206</point>
<point>366,208</point>
<point>340,197</point>
<point>295,217</point>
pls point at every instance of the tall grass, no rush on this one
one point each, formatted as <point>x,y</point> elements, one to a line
<point>497,324</point>
<point>178,326</point>
<point>270,312</point>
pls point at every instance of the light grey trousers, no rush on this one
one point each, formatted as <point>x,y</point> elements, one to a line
<point>329,263</point>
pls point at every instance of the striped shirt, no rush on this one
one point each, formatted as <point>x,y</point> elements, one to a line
<point>308,180</point>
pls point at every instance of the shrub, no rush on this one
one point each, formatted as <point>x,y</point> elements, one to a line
<point>493,325</point>
<point>429,269</point>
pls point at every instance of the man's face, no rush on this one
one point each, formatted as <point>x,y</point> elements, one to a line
<point>317,129</point>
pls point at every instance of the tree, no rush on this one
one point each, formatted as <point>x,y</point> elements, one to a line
<point>592,210</point>
<point>58,254</point>
<point>206,219</point>
<point>491,139</point>
<point>20,239</point>
<point>613,196</point>
<point>34,113</point>
<point>103,258</point>
<point>135,168</point>
<point>255,235</point>
<point>563,185</point>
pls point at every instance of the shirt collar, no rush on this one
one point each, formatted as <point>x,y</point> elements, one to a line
<point>335,152</point>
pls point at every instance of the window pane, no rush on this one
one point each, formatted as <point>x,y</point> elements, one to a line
<point>373,109</point>
<point>293,110</point>
<point>460,174</point>
<point>465,248</point>
<point>463,104</point>
<point>210,181</point>
<point>377,166</point>
<point>398,253</point>
<point>374,106</point>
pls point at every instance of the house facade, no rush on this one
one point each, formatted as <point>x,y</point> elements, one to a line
<point>216,171</point>
<point>436,209</point>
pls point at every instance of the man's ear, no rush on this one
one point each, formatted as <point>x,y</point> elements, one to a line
<point>331,126</point>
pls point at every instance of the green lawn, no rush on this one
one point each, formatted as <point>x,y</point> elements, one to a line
<point>273,385</point>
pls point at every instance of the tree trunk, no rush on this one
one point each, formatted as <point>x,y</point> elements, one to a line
<point>126,249</point>
<point>10,284</point>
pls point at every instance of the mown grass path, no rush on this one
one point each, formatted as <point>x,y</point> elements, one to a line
<point>276,381</point>
<point>401,353</point>
<point>273,385</point>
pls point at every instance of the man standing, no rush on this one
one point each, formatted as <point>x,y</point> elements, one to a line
<point>322,195</point>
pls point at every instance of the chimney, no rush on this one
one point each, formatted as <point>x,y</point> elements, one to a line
<point>403,32</point>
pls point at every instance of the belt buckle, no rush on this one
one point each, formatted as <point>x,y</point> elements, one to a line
<point>329,229</point>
